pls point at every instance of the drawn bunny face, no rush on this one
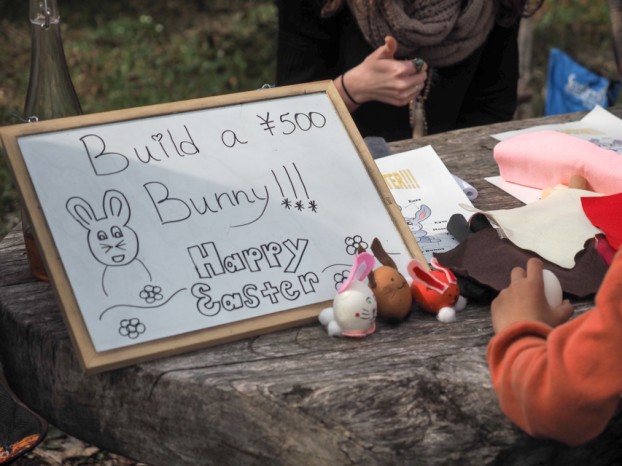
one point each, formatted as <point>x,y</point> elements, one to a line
<point>110,240</point>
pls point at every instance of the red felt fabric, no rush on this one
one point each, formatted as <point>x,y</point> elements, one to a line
<point>606,213</point>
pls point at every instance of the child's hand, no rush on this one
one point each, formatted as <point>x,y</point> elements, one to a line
<point>524,299</point>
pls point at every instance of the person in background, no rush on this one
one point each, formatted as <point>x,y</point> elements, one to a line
<point>407,68</point>
<point>555,378</point>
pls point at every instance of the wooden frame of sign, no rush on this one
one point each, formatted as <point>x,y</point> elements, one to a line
<point>173,227</point>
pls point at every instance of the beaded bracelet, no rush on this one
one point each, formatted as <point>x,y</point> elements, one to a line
<point>416,110</point>
<point>345,89</point>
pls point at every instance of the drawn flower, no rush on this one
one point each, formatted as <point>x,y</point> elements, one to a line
<point>286,203</point>
<point>353,243</point>
<point>131,328</point>
<point>300,205</point>
<point>151,293</point>
<point>340,278</point>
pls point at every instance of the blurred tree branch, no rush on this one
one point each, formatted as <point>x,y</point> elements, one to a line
<point>615,14</point>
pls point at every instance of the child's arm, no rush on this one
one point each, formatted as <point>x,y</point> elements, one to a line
<point>562,383</point>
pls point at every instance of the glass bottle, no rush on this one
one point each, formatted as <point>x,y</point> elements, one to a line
<point>50,93</point>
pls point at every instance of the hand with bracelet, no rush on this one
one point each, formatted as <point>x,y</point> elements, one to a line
<point>471,49</point>
<point>381,77</point>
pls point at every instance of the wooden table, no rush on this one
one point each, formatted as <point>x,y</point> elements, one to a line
<point>418,393</point>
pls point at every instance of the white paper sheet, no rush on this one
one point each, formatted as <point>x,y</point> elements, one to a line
<point>520,192</point>
<point>599,127</point>
<point>427,195</point>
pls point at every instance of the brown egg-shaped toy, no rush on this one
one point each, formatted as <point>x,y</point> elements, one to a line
<point>392,292</point>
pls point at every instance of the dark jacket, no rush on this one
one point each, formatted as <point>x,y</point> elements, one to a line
<point>479,90</point>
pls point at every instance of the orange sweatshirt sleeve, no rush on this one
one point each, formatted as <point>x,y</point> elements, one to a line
<point>563,383</point>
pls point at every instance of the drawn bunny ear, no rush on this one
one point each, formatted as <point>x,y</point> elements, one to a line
<point>363,264</point>
<point>422,276</point>
<point>423,213</point>
<point>116,205</point>
<point>451,278</point>
<point>81,211</point>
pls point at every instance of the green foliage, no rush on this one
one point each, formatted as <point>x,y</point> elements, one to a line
<point>581,29</point>
<point>131,62</point>
<point>576,26</point>
<point>8,200</point>
<point>572,12</point>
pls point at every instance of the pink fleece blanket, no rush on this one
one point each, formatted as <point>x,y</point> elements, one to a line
<point>543,159</point>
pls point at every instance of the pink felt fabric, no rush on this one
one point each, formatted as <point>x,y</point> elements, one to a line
<point>542,159</point>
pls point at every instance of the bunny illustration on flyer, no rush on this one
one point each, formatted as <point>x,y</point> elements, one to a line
<point>415,221</point>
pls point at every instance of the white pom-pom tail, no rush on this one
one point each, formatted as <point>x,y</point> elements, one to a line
<point>446,315</point>
<point>326,316</point>
<point>461,303</point>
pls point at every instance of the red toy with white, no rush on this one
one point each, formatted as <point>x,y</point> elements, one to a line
<point>436,291</point>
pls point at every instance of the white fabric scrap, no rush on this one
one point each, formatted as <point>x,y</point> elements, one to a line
<point>555,228</point>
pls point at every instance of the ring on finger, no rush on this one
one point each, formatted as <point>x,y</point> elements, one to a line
<point>418,62</point>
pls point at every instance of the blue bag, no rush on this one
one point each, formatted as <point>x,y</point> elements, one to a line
<point>571,87</point>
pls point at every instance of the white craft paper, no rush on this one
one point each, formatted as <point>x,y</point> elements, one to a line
<point>427,195</point>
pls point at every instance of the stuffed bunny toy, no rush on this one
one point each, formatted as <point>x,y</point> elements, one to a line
<point>436,291</point>
<point>354,308</point>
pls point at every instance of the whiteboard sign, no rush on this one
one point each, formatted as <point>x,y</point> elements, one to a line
<point>170,228</point>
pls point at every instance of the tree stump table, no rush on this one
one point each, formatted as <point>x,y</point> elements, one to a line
<point>418,393</point>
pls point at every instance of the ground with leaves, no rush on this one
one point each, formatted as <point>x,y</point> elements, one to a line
<point>59,448</point>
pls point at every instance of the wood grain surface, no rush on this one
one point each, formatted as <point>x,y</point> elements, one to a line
<point>414,394</point>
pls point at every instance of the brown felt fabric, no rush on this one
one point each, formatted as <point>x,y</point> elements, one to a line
<point>488,260</point>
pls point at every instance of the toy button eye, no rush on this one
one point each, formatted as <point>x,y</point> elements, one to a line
<point>368,300</point>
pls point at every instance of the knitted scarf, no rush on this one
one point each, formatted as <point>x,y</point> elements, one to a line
<point>442,32</point>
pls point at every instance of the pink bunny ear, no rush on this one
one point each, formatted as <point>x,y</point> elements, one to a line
<point>423,277</point>
<point>451,278</point>
<point>363,264</point>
